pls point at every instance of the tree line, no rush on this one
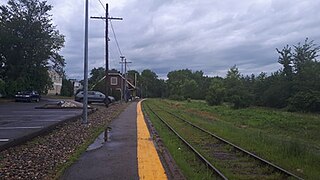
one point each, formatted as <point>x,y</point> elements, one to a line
<point>296,86</point>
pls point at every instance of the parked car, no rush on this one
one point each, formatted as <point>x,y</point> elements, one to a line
<point>28,96</point>
<point>93,97</point>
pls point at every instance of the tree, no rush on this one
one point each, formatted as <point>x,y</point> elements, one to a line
<point>306,82</point>
<point>304,54</point>
<point>285,59</point>
<point>96,76</point>
<point>2,88</point>
<point>187,84</point>
<point>67,88</point>
<point>189,89</point>
<point>277,91</point>
<point>236,92</point>
<point>259,87</point>
<point>216,93</point>
<point>29,44</point>
<point>133,74</point>
<point>306,66</point>
<point>175,81</point>
<point>150,84</point>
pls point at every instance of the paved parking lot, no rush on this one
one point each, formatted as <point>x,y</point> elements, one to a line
<point>19,120</point>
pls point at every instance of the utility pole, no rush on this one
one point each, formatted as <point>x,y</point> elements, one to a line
<point>125,80</point>
<point>106,18</point>
<point>85,88</point>
<point>122,59</point>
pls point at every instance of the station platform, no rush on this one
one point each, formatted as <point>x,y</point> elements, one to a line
<point>128,154</point>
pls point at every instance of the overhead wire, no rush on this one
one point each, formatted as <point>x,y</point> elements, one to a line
<point>113,32</point>
<point>115,38</point>
<point>102,5</point>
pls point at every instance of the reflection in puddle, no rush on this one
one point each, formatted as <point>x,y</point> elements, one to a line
<point>107,134</point>
<point>101,139</point>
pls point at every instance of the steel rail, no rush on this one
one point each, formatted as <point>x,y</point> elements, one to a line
<point>237,147</point>
<point>202,158</point>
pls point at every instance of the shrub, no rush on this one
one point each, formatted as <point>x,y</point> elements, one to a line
<point>305,102</point>
<point>2,88</point>
<point>176,97</point>
<point>216,94</point>
<point>241,100</point>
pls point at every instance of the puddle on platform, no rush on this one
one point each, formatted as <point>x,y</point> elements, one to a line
<point>107,134</point>
<point>101,139</point>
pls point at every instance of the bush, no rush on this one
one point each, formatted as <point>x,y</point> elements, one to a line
<point>176,97</point>
<point>305,102</point>
<point>215,94</point>
<point>213,99</point>
<point>12,87</point>
<point>2,88</point>
<point>241,100</point>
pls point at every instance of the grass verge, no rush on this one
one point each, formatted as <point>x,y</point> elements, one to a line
<point>187,161</point>
<point>286,139</point>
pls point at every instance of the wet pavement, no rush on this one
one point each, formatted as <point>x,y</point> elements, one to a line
<point>20,121</point>
<point>114,159</point>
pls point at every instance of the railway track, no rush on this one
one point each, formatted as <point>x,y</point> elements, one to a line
<point>224,158</point>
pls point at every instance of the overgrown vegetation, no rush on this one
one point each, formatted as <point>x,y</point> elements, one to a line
<point>187,161</point>
<point>285,138</point>
<point>67,88</point>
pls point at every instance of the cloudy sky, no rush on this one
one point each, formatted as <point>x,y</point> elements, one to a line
<point>167,35</point>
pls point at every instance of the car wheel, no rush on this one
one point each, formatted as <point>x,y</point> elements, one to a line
<point>37,99</point>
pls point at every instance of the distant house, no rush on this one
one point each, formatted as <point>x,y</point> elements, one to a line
<point>56,82</point>
<point>116,84</point>
<point>117,80</point>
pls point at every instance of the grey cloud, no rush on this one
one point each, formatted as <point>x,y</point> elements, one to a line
<point>200,34</point>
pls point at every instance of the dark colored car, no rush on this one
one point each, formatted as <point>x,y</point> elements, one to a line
<point>28,96</point>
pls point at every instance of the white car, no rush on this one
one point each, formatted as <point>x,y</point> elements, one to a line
<point>93,97</point>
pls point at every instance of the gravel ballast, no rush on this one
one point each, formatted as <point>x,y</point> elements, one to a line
<point>44,156</point>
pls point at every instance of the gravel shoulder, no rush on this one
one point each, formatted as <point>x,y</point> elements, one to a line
<point>45,157</point>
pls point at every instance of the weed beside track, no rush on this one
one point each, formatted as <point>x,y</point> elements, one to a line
<point>210,121</point>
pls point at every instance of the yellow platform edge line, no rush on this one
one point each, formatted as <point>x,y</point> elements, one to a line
<point>149,164</point>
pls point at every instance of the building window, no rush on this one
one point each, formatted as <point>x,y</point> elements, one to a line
<point>114,81</point>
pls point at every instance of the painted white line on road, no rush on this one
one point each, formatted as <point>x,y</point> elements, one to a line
<point>45,120</point>
<point>34,127</point>
<point>4,140</point>
<point>34,115</point>
<point>30,120</point>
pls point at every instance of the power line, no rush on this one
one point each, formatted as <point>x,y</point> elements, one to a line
<point>113,31</point>
<point>115,38</point>
<point>102,5</point>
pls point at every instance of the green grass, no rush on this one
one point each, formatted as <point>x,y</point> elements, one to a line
<point>187,161</point>
<point>290,140</point>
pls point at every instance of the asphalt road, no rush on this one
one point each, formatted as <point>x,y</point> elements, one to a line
<point>20,120</point>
